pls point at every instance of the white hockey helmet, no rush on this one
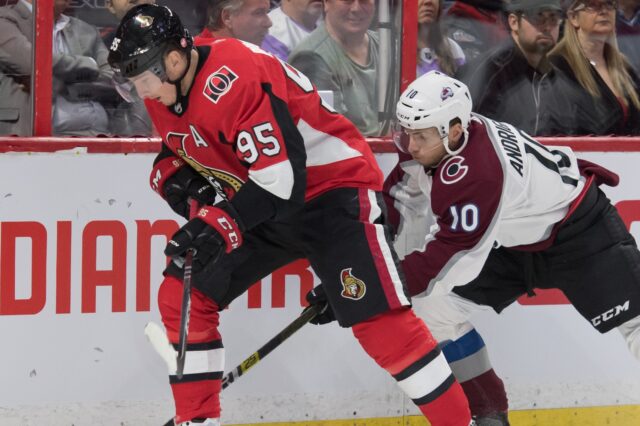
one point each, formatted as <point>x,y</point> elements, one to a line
<point>435,100</point>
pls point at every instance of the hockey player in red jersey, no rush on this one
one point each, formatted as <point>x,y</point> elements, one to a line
<point>294,179</point>
<point>485,214</point>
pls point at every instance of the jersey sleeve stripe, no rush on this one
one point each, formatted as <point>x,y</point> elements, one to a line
<point>277,179</point>
<point>386,263</point>
<point>323,148</point>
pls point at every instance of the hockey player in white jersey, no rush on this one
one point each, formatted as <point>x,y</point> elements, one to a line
<point>485,214</point>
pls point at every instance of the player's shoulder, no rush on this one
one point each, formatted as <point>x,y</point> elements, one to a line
<point>229,66</point>
<point>477,163</point>
<point>473,175</point>
<point>231,51</point>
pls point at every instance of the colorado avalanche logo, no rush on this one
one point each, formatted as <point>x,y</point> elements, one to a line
<point>219,83</point>
<point>453,170</point>
<point>353,288</point>
<point>446,93</point>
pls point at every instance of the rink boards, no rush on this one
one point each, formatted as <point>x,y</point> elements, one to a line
<point>81,239</point>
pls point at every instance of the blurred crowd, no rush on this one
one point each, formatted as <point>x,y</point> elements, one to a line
<point>550,67</point>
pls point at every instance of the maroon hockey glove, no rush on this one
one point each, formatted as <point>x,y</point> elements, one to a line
<point>317,297</point>
<point>176,182</point>
<point>214,230</point>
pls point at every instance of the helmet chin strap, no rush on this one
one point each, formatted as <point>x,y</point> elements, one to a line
<point>178,81</point>
<point>465,139</point>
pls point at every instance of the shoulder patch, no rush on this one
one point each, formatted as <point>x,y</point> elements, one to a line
<point>219,83</point>
<point>453,170</point>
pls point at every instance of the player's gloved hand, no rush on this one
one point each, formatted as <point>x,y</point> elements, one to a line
<point>184,184</point>
<point>213,231</point>
<point>176,182</point>
<point>318,298</point>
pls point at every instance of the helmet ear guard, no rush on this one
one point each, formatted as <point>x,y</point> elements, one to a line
<point>435,100</point>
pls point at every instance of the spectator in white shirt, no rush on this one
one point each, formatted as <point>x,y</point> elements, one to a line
<point>293,21</point>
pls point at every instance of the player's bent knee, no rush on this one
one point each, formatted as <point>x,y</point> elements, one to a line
<point>394,339</point>
<point>204,317</point>
<point>445,320</point>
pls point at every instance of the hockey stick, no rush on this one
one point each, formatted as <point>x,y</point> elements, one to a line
<point>186,300</point>
<point>162,345</point>
<point>306,316</point>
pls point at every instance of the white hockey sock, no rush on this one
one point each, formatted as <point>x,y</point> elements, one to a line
<point>207,422</point>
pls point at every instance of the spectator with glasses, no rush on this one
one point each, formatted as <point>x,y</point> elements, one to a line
<point>516,83</point>
<point>436,51</point>
<point>608,101</point>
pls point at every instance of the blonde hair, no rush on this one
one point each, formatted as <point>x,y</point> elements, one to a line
<point>569,47</point>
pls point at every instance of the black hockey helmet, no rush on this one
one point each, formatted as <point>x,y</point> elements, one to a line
<point>144,35</point>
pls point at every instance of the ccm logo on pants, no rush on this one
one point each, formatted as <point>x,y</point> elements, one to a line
<point>611,313</point>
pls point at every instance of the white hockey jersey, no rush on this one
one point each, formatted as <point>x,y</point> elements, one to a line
<point>503,189</point>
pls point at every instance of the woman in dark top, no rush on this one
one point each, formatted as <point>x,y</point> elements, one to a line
<point>598,78</point>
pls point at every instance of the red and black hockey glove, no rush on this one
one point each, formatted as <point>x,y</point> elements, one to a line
<point>215,230</point>
<point>176,182</point>
<point>317,297</point>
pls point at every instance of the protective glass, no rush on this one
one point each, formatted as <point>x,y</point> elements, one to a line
<point>125,88</point>
<point>400,137</point>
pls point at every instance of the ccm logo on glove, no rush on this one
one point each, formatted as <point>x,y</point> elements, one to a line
<point>224,224</point>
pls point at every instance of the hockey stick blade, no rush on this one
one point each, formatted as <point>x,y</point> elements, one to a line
<point>306,316</point>
<point>160,342</point>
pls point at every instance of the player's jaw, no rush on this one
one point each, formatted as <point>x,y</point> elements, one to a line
<point>149,86</point>
<point>166,94</point>
<point>425,146</point>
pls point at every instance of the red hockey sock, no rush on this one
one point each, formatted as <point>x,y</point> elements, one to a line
<point>197,393</point>
<point>401,344</point>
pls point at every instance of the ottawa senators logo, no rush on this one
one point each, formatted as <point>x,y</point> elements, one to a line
<point>219,83</point>
<point>354,288</point>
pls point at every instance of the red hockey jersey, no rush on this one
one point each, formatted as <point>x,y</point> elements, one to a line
<point>250,116</point>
